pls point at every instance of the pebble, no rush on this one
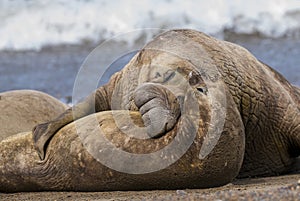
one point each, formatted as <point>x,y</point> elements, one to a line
<point>181,192</point>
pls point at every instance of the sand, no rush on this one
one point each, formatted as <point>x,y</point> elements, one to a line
<point>269,188</point>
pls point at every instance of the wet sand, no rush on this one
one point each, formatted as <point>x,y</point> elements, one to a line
<point>53,70</point>
<point>285,188</point>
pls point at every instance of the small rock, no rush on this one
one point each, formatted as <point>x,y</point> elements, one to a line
<point>181,192</point>
<point>298,183</point>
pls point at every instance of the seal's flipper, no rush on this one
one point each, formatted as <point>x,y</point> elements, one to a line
<point>42,133</point>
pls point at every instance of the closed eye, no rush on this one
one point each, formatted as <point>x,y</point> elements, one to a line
<point>168,75</point>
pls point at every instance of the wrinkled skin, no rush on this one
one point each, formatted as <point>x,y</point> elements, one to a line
<point>187,80</point>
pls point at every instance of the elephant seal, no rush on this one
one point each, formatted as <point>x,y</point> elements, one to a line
<point>223,112</point>
<point>21,110</point>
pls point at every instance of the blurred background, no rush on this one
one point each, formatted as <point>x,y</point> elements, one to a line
<point>44,43</point>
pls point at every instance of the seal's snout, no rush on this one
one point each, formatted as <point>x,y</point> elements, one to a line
<point>159,108</point>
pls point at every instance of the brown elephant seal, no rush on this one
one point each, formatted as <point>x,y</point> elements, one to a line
<point>188,111</point>
<point>23,109</point>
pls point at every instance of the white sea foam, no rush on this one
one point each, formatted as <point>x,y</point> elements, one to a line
<point>33,24</point>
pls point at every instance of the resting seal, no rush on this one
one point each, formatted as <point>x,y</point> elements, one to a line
<point>242,116</point>
<point>21,110</point>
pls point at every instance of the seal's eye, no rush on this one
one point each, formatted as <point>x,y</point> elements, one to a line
<point>196,81</point>
<point>202,90</point>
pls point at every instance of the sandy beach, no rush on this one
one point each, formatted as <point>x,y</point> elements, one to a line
<point>285,188</point>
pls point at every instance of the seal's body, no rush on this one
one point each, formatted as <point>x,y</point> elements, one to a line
<point>223,113</point>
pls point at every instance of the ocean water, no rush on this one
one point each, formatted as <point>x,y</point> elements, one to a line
<point>30,24</point>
